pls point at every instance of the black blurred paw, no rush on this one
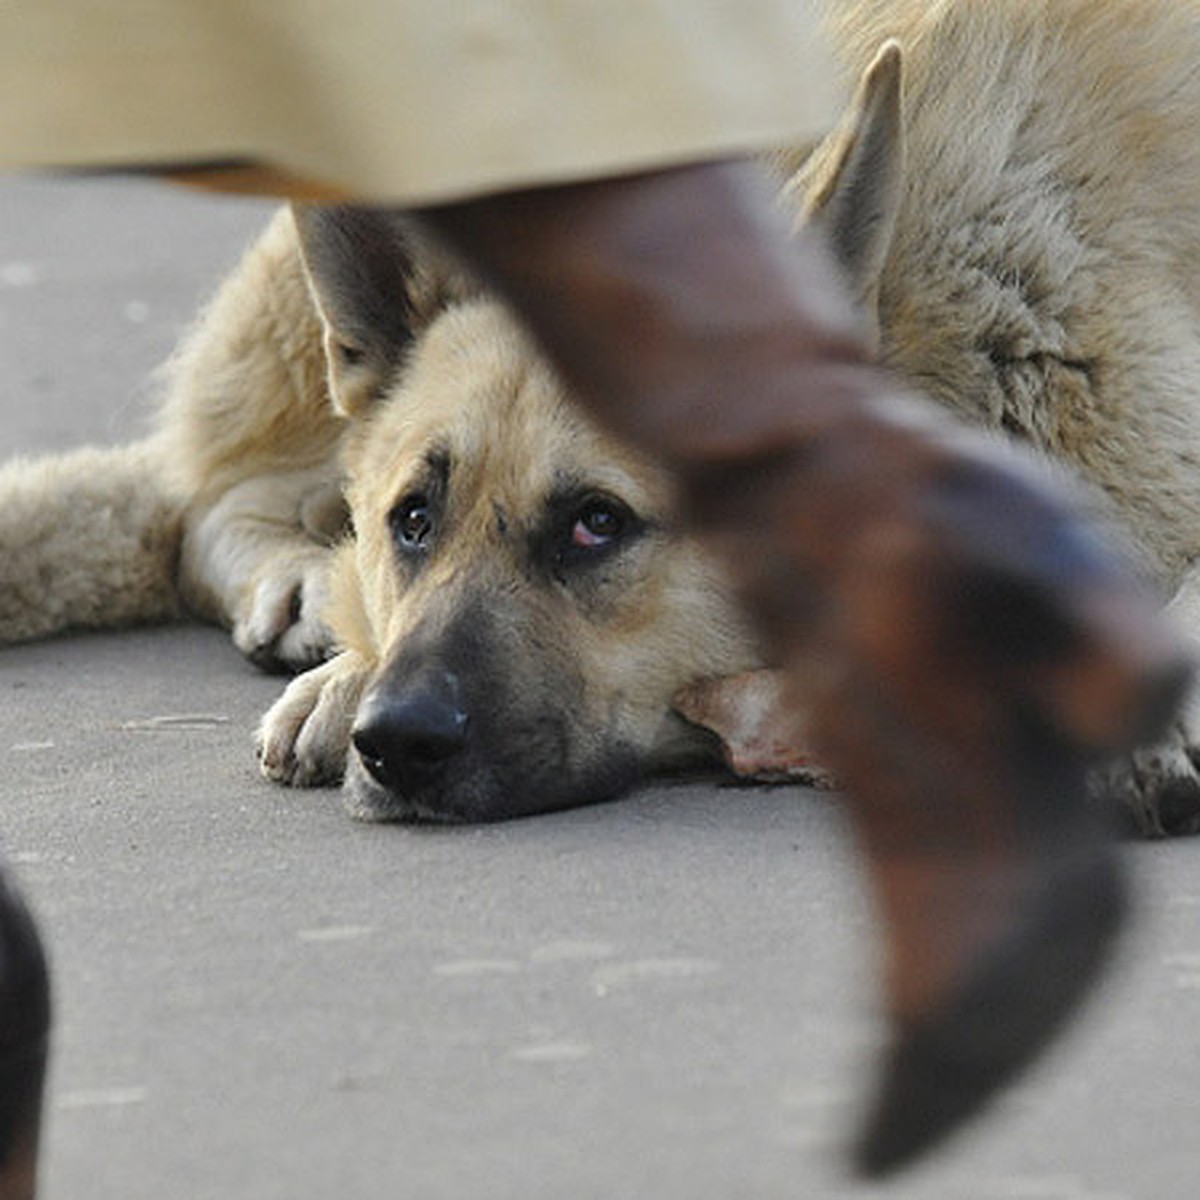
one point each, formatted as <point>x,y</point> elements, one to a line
<point>1156,790</point>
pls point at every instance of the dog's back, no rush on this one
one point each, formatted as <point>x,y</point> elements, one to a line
<point>1044,272</point>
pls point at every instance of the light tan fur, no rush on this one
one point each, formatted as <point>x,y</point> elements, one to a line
<point>1039,271</point>
<point>1015,194</point>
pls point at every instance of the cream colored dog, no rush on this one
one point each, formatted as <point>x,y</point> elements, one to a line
<point>1015,196</point>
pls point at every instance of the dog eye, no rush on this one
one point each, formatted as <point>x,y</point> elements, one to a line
<point>412,522</point>
<point>598,523</point>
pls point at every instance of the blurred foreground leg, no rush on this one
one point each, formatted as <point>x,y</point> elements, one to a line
<point>972,648</point>
<point>24,1035</point>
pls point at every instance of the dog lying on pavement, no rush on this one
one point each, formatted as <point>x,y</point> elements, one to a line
<point>367,471</point>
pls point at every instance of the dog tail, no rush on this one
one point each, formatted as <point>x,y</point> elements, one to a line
<point>88,540</point>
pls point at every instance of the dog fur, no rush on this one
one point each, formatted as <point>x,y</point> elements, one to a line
<point>1014,196</point>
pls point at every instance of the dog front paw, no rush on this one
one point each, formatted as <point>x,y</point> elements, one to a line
<point>304,737</point>
<point>278,625</point>
<point>1158,787</point>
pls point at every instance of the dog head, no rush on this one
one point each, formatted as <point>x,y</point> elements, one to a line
<point>516,575</point>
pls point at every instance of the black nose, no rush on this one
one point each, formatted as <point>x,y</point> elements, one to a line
<point>405,734</point>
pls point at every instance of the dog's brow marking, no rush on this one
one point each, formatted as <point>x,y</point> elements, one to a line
<point>437,459</point>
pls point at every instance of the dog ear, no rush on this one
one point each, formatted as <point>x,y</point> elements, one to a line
<point>361,267</point>
<point>851,185</point>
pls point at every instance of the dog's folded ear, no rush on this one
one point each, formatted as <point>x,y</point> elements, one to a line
<point>375,281</point>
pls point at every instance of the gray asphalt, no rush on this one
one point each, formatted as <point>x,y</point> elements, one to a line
<point>669,996</point>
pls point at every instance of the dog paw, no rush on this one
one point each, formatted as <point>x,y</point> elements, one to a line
<point>278,625</point>
<point>304,737</point>
<point>1158,788</point>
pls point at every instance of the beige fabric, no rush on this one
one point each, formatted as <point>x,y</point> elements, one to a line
<point>409,99</point>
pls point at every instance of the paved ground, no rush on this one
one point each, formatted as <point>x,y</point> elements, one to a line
<point>665,997</point>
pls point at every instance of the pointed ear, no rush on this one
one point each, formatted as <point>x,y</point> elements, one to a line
<point>852,184</point>
<point>361,268</point>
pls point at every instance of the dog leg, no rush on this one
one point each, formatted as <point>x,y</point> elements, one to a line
<point>257,560</point>
<point>304,738</point>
